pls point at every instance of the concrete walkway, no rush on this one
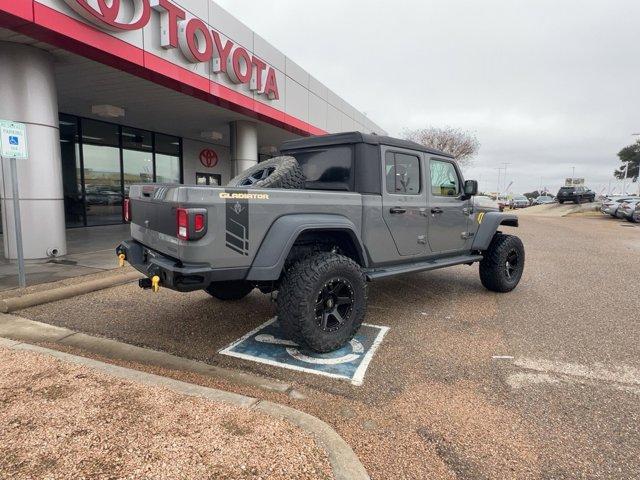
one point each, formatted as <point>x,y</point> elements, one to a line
<point>90,250</point>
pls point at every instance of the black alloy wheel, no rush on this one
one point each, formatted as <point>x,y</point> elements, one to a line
<point>257,176</point>
<point>512,265</point>
<point>334,304</point>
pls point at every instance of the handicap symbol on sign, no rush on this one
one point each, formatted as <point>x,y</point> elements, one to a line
<point>13,140</point>
<point>266,345</point>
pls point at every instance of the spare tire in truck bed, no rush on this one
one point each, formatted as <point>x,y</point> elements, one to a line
<point>277,172</point>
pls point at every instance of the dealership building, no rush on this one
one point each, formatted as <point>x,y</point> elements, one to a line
<point>119,92</point>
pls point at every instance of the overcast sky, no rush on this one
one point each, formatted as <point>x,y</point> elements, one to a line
<point>546,85</point>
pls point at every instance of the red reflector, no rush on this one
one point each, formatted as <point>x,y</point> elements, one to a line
<point>126,206</point>
<point>183,223</point>
<point>198,222</point>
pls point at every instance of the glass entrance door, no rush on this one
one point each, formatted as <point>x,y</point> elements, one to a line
<point>101,160</point>
<point>102,172</point>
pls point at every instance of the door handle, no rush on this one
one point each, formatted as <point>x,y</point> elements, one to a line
<point>435,210</point>
<point>397,210</point>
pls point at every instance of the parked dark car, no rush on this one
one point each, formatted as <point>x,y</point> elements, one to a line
<point>575,195</point>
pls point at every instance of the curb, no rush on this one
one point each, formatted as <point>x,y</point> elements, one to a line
<point>344,462</point>
<point>25,330</point>
<point>38,298</point>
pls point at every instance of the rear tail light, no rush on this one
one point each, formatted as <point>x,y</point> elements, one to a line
<point>191,223</point>
<point>183,224</point>
<point>126,206</point>
<point>198,222</point>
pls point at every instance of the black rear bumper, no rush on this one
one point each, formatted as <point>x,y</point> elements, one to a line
<point>173,273</point>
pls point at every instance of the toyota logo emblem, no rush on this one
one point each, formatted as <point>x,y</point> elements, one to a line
<point>112,14</point>
<point>208,158</point>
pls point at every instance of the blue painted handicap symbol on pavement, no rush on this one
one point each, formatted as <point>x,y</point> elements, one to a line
<point>13,140</point>
<point>266,344</point>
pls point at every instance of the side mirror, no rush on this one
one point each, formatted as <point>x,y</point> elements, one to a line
<point>470,188</point>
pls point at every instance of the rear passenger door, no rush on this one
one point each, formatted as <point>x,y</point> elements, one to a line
<point>448,214</point>
<point>404,200</point>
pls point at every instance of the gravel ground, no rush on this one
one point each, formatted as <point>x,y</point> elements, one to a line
<point>563,402</point>
<point>60,420</point>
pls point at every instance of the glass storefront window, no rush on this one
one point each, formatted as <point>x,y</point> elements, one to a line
<point>71,171</point>
<point>101,160</point>
<point>137,139</point>
<point>100,133</point>
<point>167,169</point>
<point>138,168</point>
<point>167,145</point>
<point>102,184</point>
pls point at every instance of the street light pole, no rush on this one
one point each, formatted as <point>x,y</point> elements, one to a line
<point>505,164</point>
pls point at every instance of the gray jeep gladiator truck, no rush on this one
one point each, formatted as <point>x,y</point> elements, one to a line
<point>314,226</point>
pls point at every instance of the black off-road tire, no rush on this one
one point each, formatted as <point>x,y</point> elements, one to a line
<point>233,290</point>
<point>496,274</point>
<point>277,172</point>
<point>301,288</point>
<point>560,202</point>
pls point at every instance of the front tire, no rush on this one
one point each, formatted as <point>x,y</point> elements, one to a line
<point>503,263</point>
<point>234,290</point>
<point>322,301</point>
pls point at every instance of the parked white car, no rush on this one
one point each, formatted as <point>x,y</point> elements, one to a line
<point>611,204</point>
<point>627,208</point>
<point>543,199</point>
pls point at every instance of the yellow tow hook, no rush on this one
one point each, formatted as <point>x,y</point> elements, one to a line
<point>155,283</point>
<point>122,257</point>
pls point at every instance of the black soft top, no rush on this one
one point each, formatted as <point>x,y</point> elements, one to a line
<point>356,137</point>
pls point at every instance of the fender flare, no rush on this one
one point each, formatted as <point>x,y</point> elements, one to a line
<point>490,222</point>
<point>277,243</point>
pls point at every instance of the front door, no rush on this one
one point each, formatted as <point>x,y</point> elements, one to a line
<point>404,200</point>
<point>448,213</point>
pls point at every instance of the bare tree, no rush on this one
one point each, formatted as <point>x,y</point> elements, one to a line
<point>463,145</point>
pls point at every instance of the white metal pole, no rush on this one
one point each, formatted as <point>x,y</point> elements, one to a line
<point>22,280</point>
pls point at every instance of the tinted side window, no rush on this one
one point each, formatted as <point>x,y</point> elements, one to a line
<point>327,168</point>
<point>403,173</point>
<point>444,179</point>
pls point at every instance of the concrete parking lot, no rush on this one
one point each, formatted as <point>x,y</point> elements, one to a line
<point>543,382</point>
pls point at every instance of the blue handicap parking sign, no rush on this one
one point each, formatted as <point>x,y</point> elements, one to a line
<point>266,344</point>
<point>13,140</point>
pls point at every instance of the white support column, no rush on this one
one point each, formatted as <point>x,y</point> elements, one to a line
<point>244,145</point>
<point>28,95</point>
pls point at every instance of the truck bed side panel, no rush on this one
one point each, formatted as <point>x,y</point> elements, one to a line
<point>238,219</point>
